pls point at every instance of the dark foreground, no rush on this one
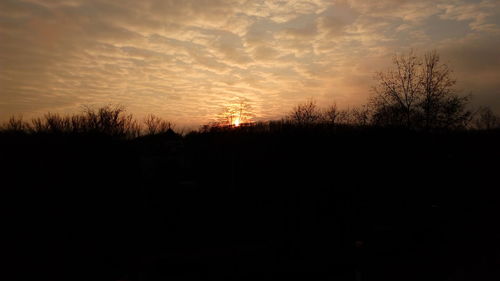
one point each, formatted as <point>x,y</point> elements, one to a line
<point>306,204</point>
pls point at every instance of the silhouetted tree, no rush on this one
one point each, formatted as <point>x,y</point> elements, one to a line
<point>332,114</point>
<point>107,120</point>
<point>418,93</point>
<point>156,125</point>
<point>305,113</point>
<point>439,105</point>
<point>398,89</point>
<point>486,119</point>
<point>15,125</point>
<point>361,115</point>
<point>110,120</point>
<point>56,124</point>
<point>344,116</point>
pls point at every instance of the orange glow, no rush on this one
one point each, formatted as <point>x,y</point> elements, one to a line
<point>236,114</point>
<point>236,122</point>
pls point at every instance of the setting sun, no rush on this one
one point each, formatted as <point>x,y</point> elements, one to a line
<point>236,113</point>
<point>236,122</point>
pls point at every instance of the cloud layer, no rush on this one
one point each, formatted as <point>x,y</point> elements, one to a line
<point>185,60</point>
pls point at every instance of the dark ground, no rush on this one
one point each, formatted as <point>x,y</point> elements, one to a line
<point>267,204</point>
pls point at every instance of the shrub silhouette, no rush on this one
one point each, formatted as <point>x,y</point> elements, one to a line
<point>15,125</point>
<point>305,113</point>
<point>156,125</point>
<point>109,120</point>
<point>486,119</point>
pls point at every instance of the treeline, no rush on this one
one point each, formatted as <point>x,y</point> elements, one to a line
<point>114,121</point>
<point>309,113</point>
<point>109,120</point>
<point>101,195</point>
<point>416,93</point>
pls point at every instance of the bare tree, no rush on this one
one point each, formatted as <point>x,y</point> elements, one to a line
<point>305,113</point>
<point>332,114</point>
<point>399,87</point>
<point>109,120</point>
<point>361,115</point>
<point>344,117</point>
<point>156,125</point>
<point>486,119</point>
<point>440,106</point>
<point>418,93</point>
<point>15,124</point>
<point>55,123</point>
<point>436,87</point>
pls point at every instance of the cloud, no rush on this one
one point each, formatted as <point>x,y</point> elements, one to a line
<point>184,59</point>
<point>476,14</point>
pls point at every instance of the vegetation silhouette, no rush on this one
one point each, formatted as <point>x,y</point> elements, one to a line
<point>418,93</point>
<point>321,194</point>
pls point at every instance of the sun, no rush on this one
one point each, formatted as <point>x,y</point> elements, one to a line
<point>236,114</point>
<point>236,122</point>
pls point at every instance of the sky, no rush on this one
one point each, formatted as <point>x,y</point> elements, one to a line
<point>185,60</point>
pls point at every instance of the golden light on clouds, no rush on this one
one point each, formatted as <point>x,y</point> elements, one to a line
<point>184,60</point>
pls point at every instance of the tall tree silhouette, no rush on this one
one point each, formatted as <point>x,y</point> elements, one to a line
<point>397,92</point>
<point>417,92</point>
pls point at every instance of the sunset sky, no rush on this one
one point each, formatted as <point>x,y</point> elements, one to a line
<point>186,59</point>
